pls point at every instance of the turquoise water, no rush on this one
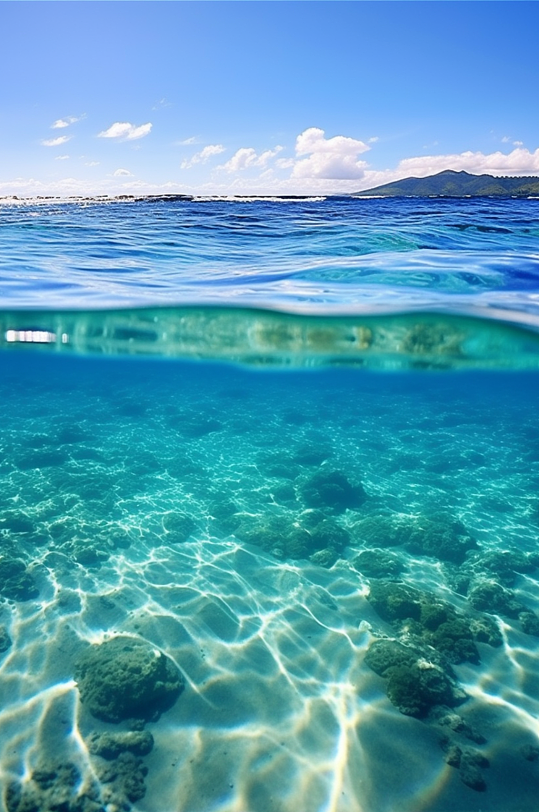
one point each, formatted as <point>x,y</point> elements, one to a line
<point>258,560</point>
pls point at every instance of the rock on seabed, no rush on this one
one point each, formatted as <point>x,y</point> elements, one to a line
<point>125,678</point>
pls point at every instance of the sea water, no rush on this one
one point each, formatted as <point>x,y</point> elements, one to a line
<point>290,449</point>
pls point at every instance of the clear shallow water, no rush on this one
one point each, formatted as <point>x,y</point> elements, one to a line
<point>341,562</point>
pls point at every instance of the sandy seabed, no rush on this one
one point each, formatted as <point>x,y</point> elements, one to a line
<point>145,499</point>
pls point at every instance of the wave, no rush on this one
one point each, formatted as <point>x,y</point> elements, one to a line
<point>324,256</point>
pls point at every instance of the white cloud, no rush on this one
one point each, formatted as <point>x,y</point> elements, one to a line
<point>92,163</point>
<point>60,123</point>
<point>372,140</point>
<point>61,157</point>
<point>187,142</point>
<point>126,131</point>
<point>247,157</point>
<point>56,142</point>
<point>278,176</point>
<point>107,184</point>
<point>102,184</point>
<point>518,143</point>
<point>203,156</point>
<point>517,162</point>
<point>329,158</point>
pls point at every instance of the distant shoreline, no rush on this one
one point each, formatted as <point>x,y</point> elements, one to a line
<point>366,195</point>
<point>457,184</point>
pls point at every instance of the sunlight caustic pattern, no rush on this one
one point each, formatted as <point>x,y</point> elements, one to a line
<point>182,506</point>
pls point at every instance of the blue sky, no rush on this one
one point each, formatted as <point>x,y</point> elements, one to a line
<point>263,97</point>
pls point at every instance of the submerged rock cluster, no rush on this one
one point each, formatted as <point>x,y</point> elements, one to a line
<point>486,579</point>
<point>484,576</point>
<point>431,637</point>
<point>437,535</point>
<point>111,745</point>
<point>122,779</point>
<point>309,527</point>
<point>312,534</point>
<point>116,781</point>
<point>332,490</point>
<point>5,640</point>
<point>417,679</point>
<point>420,616</point>
<point>16,582</point>
<point>125,678</point>
<point>54,785</point>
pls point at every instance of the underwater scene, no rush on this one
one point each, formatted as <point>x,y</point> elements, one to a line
<point>269,506</point>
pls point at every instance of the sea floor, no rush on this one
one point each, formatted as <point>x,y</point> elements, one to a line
<point>222,517</point>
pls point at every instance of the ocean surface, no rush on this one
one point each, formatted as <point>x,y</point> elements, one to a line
<point>269,505</point>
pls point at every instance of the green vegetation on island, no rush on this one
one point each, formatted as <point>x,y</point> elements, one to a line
<point>458,184</point>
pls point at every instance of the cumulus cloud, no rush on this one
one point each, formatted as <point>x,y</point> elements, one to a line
<point>61,157</point>
<point>203,156</point>
<point>30,187</point>
<point>56,142</point>
<point>60,123</point>
<point>328,158</point>
<point>122,172</point>
<point>92,163</point>
<point>126,131</point>
<point>247,157</point>
<point>517,162</point>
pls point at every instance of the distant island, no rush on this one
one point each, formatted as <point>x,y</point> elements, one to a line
<point>458,184</point>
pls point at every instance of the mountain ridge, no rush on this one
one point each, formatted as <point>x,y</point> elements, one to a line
<point>452,183</point>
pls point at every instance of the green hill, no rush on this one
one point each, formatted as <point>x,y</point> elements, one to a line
<point>458,184</point>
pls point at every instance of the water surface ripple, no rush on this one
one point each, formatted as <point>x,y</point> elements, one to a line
<point>320,255</point>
